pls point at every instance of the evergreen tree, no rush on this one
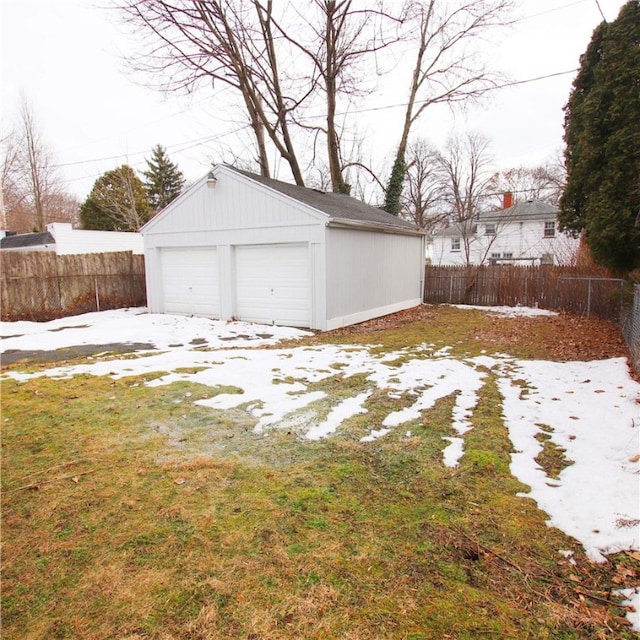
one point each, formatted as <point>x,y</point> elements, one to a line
<point>164,181</point>
<point>393,194</point>
<point>117,202</point>
<point>602,136</point>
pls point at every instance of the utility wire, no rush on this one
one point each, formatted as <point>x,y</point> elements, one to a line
<point>199,141</point>
<point>511,83</point>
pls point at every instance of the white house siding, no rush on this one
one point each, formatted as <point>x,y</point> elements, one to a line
<point>230,205</point>
<point>341,276</point>
<point>524,240</point>
<point>71,241</point>
<point>228,217</point>
<point>355,259</point>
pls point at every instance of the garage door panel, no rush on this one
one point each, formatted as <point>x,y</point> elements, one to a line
<point>190,281</point>
<point>273,284</point>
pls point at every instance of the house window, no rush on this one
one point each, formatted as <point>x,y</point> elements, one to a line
<point>495,256</point>
<point>546,258</point>
<point>550,229</point>
<point>455,244</point>
<point>490,229</point>
<point>508,255</point>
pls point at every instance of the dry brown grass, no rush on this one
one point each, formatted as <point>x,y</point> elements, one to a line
<point>113,528</point>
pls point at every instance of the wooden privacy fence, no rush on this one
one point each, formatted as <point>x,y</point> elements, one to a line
<point>40,285</point>
<point>562,288</point>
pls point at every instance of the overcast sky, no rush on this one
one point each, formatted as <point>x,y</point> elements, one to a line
<point>66,57</point>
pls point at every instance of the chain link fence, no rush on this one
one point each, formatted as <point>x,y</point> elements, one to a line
<point>556,288</point>
<point>630,322</point>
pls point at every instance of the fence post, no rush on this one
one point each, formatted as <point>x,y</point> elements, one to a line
<point>95,283</point>
<point>589,299</point>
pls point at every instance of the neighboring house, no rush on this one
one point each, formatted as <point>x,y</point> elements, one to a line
<point>525,233</point>
<point>61,238</point>
<point>237,245</point>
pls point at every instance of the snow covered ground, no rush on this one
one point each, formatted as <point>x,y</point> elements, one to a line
<point>590,409</point>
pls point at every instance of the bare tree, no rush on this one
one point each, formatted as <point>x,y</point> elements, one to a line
<point>544,182</point>
<point>465,172</point>
<point>243,44</point>
<point>32,191</point>
<point>11,195</point>
<point>424,189</point>
<point>344,38</point>
<point>447,67</point>
<point>228,42</point>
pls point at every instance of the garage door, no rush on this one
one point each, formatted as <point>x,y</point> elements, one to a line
<point>190,282</point>
<point>273,284</point>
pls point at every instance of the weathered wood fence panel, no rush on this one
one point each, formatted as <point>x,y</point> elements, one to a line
<point>38,285</point>
<point>581,291</point>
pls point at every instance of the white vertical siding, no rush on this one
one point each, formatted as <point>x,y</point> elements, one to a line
<point>370,274</point>
<point>353,275</point>
<point>235,202</point>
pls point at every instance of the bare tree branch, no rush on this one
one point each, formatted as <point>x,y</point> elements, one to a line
<point>447,69</point>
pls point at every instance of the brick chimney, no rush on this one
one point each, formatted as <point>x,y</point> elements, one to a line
<point>507,200</point>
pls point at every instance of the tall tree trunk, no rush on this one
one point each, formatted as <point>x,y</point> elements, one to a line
<point>338,184</point>
<point>34,161</point>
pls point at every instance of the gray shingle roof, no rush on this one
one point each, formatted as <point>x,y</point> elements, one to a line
<point>22,240</point>
<point>529,210</point>
<point>523,211</point>
<point>337,206</point>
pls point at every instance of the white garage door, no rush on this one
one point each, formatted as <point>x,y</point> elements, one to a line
<point>190,281</point>
<point>273,284</point>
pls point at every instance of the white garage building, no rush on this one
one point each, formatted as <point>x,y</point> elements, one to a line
<point>237,245</point>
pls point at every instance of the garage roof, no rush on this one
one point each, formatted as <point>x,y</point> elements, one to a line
<point>341,208</point>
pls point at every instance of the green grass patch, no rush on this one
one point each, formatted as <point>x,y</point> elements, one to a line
<point>551,457</point>
<point>131,512</point>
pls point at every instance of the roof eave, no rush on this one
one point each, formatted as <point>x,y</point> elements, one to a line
<point>346,223</point>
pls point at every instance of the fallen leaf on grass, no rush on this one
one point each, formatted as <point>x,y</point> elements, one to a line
<point>179,481</point>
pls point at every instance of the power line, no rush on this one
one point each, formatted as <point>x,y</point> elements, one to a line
<point>199,141</point>
<point>511,83</point>
<point>190,144</point>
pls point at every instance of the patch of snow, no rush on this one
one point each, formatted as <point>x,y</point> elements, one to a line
<point>486,361</point>
<point>587,408</point>
<point>590,410</point>
<point>632,601</point>
<point>513,312</point>
<point>433,380</point>
<point>375,434</point>
<point>345,409</point>
<point>453,451</point>
<point>137,325</point>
